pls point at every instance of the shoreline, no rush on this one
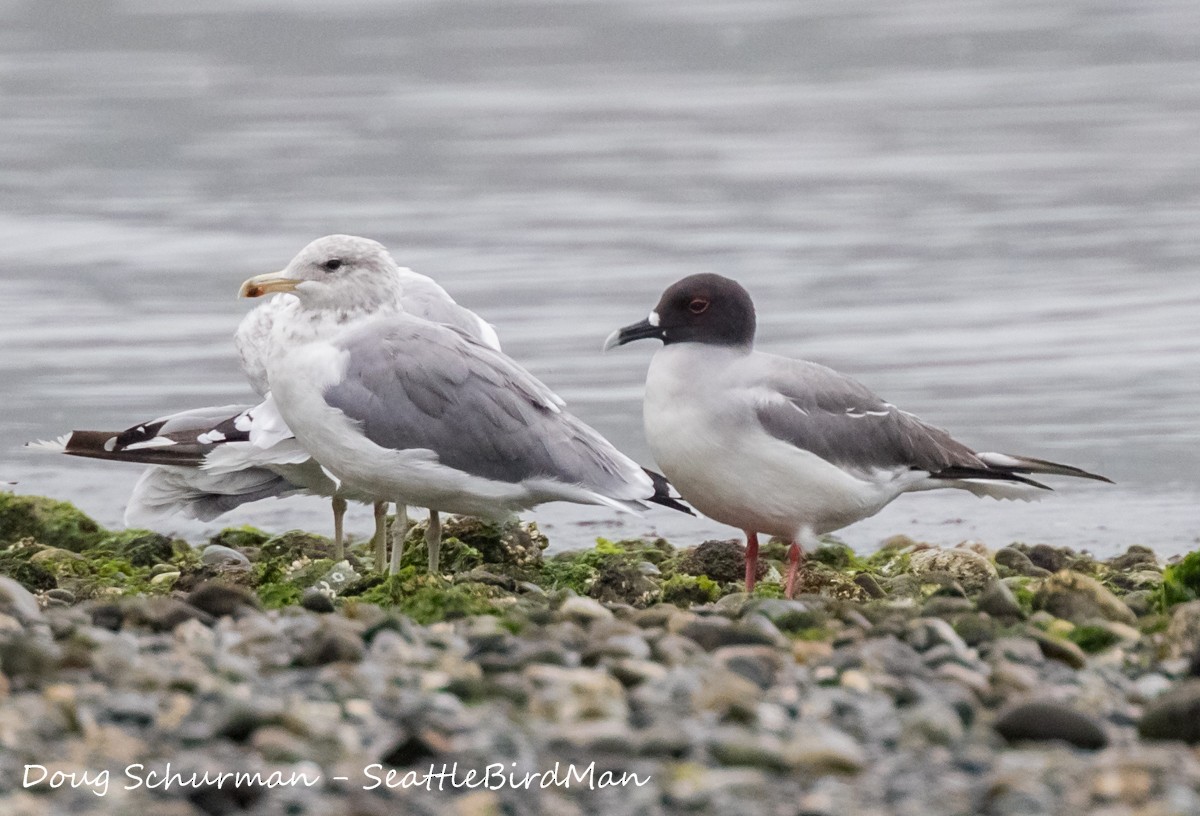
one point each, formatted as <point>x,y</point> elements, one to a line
<point>913,680</point>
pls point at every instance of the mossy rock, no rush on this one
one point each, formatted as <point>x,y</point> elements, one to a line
<point>567,571</point>
<point>723,561</point>
<point>241,538</point>
<point>621,582</point>
<point>834,554</point>
<point>689,590</point>
<point>294,545</point>
<point>508,544</point>
<point>141,548</point>
<point>455,555</point>
<point>1092,638</point>
<point>1181,581</point>
<point>428,599</point>
<point>50,522</point>
<point>818,579</point>
<point>16,561</point>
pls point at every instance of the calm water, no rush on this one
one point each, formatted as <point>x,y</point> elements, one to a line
<point>988,211</point>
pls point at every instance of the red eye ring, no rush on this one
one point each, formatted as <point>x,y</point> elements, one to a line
<point>698,305</point>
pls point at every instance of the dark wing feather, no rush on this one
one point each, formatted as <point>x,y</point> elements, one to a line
<point>840,420</point>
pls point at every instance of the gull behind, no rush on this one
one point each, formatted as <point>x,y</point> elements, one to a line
<point>421,412</point>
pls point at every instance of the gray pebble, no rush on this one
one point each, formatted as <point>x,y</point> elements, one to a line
<point>1047,720</point>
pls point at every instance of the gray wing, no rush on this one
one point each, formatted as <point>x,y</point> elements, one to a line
<point>425,298</point>
<point>412,384</point>
<point>840,420</point>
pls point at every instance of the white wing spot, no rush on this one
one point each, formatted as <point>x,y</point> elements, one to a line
<point>156,442</point>
<point>110,444</point>
<point>210,437</point>
<point>653,319</point>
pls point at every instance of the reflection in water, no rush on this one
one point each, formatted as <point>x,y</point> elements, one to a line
<point>989,217</point>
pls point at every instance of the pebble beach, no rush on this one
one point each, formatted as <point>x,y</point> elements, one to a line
<point>140,673</point>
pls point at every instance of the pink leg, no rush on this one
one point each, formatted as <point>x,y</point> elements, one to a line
<point>751,559</point>
<point>795,559</point>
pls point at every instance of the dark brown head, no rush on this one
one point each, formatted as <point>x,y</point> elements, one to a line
<point>703,308</point>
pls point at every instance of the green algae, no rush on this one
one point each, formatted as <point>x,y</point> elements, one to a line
<point>50,522</point>
<point>689,590</point>
<point>429,598</point>
<point>1181,581</point>
<point>1093,639</point>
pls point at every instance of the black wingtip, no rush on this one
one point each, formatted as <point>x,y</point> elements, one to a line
<point>991,474</point>
<point>662,493</point>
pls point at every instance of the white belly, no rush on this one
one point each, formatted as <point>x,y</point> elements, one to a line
<point>717,456</point>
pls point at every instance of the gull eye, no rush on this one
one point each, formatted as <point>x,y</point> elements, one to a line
<point>698,305</point>
<point>333,264</point>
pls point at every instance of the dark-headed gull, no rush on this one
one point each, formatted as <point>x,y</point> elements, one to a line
<point>786,447</point>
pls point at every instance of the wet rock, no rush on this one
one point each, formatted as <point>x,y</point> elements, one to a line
<point>823,750</point>
<point>1136,556</point>
<point>1060,649</point>
<point>561,694</point>
<point>509,544</point>
<point>315,600</point>
<point>758,664</point>
<point>18,602</point>
<point>167,578</point>
<point>727,695</point>
<point>620,582</point>
<point>968,568</point>
<point>1018,563</point>
<point>163,614</point>
<point>222,557</point>
<point>735,746</point>
<point>723,561</point>
<point>339,576</point>
<point>219,599</point>
<point>999,601</point>
<point>584,610</point>
<point>107,616</point>
<point>870,585</point>
<point>142,548</point>
<point>946,606</point>
<point>1042,721</point>
<point>66,596</point>
<point>27,660</point>
<point>415,748</point>
<point>331,645</point>
<point>295,545</point>
<point>1077,597</point>
<point>925,634</point>
<point>616,646</point>
<point>933,721</point>
<point>1183,632</point>
<point>713,633</point>
<point>975,629</point>
<point>1145,579</point>
<point>1051,558</point>
<point>788,616</point>
<point>1174,715</point>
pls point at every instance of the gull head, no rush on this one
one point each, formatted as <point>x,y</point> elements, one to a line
<point>341,272</point>
<point>703,308</point>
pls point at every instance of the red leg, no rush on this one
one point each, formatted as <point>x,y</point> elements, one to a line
<point>751,560</point>
<point>795,559</point>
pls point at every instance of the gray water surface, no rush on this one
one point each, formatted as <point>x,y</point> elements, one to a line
<point>987,211</point>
